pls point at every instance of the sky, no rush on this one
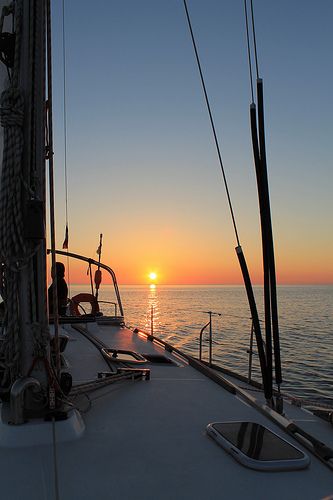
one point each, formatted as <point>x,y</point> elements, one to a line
<point>141,163</point>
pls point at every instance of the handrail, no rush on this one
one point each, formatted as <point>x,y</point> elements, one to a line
<point>211,313</point>
<point>200,342</point>
<point>96,263</point>
<point>109,302</point>
<point>250,351</point>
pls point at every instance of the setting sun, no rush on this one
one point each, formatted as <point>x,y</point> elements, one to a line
<point>152,276</point>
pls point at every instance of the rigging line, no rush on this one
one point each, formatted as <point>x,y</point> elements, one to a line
<point>51,182</point>
<point>65,106</point>
<point>211,122</point>
<point>248,50</point>
<point>65,134</point>
<point>55,460</point>
<point>254,40</point>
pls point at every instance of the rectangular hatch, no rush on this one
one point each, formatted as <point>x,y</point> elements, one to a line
<point>159,359</point>
<point>121,355</point>
<point>257,447</point>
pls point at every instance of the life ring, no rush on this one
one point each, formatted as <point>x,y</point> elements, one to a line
<point>83,297</point>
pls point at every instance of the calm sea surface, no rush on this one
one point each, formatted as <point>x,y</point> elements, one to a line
<point>306,327</point>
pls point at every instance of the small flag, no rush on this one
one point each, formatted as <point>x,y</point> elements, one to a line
<point>99,249</point>
<point>65,243</point>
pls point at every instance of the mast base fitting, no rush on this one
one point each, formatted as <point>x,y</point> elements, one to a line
<point>57,415</point>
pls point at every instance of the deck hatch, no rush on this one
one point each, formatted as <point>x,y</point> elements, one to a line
<point>257,447</point>
<point>158,359</point>
<point>121,355</point>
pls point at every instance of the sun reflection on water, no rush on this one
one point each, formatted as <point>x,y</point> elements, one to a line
<point>152,322</point>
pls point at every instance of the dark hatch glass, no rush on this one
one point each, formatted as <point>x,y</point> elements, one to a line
<point>257,442</point>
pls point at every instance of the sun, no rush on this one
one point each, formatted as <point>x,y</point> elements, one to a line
<point>152,276</point>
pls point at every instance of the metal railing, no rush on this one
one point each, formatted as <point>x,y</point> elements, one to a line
<point>210,325</point>
<point>98,264</point>
<point>109,302</point>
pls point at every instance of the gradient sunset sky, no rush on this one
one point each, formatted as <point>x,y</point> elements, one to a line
<point>142,168</point>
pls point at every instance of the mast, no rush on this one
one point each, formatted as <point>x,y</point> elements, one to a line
<point>25,345</point>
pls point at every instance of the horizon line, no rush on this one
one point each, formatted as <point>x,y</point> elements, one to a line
<point>206,284</point>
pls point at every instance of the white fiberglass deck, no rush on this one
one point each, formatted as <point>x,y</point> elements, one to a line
<point>147,439</point>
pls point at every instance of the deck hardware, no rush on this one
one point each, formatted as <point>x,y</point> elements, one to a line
<point>17,394</point>
<point>152,320</point>
<point>104,374</point>
<point>109,302</point>
<point>159,359</point>
<point>210,325</point>
<point>145,372</point>
<point>257,447</point>
<point>95,263</point>
<point>122,355</point>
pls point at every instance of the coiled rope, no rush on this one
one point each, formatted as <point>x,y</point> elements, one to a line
<point>12,245</point>
<point>15,251</point>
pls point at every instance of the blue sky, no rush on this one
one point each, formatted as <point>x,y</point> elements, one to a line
<point>142,167</point>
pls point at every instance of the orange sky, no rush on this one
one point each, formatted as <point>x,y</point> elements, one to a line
<point>141,163</point>
<point>200,266</point>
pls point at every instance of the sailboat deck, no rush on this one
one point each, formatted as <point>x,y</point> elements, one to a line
<point>146,439</point>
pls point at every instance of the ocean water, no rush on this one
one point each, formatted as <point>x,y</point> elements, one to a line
<point>177,314</point>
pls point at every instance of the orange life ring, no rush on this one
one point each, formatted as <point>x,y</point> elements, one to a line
<point>83,297</point>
